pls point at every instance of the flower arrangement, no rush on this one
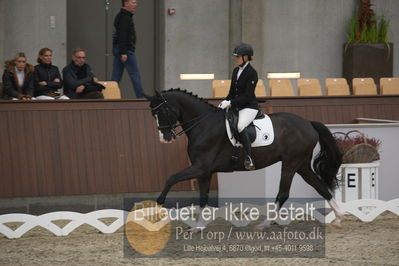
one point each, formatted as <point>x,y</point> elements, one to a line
<point>359,148</point>
<point>365,27</point>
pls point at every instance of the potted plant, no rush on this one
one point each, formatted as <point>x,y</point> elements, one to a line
<point>357,148</point>
<point>368,52</point>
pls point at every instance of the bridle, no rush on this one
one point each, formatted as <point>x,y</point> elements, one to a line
<point>172,126</point>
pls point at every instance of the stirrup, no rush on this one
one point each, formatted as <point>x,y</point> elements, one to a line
<point>248,163</point>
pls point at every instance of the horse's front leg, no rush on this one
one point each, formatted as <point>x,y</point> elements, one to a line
<point>204,184</point>
<point>191,172</point>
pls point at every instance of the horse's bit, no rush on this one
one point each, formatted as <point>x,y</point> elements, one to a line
<point>170,125</point>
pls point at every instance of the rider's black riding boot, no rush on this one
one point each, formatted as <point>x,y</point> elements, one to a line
<point>248,163</point>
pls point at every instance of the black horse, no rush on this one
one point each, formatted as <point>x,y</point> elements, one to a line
<point>210,150</point>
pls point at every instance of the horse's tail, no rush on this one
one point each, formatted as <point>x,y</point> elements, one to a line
<point>329,159</point>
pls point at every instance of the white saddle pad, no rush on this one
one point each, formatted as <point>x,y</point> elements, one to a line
<point>264,133</point>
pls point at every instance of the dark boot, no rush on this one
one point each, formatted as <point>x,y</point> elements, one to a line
<point>244,139</point>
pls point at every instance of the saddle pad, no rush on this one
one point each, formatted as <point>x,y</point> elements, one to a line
<point>264,133</point>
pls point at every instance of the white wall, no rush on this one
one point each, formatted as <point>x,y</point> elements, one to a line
<point>27,29</point>
<point>196,41</point>
<point>288,35</point>
<point>265,182</point>
<point>389,154</point>
<point>390,10</point>
<point>305,36</point>
<point>253,30</point>
<point>308,35</point>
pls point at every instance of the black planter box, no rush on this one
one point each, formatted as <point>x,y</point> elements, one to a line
<point>362,60</point>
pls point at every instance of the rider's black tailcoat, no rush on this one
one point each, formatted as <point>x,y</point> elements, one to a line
<point>242,91</point>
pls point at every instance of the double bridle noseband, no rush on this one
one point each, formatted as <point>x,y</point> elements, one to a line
<point>172,127</point>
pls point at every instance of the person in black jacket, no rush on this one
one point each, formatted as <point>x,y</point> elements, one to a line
<point>47,78</point>
<point>18,78</point>
<point>79,80</point>
<point>242,96</point>
<point>124,45</point>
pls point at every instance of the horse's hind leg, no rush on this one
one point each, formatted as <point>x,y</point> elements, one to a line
<point>287,174</point>
<point>312,179</point>
<point>204,184</point>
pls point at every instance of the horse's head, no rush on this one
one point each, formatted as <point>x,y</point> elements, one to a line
<point>165,116</point>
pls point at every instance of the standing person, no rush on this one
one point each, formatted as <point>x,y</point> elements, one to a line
<point>124,44</point>
<point>242,96</point>
<point>79,79</point>
<point>18,78</point>
<point>47,78</point>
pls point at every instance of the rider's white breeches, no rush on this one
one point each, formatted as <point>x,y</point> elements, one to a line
<point>245,117</point>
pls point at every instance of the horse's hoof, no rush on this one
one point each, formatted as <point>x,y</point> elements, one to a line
<point>195,229</point>
<point>248,164</point>
<point>336,224</point>
<point>249,167</point>
<point>258,228</point>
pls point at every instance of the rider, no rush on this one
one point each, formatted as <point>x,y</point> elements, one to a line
<point>242,96</point>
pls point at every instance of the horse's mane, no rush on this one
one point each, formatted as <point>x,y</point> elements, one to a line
<point>194,96</point>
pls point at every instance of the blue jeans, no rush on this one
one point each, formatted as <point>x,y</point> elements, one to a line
<point>132,69</point>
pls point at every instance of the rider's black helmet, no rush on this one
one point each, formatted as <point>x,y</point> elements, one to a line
<point>243,49</point>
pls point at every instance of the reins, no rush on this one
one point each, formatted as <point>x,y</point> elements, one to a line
<point>200,118</point>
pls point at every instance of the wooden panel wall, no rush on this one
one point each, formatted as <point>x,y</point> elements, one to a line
<point>62,148</point>
<point>338,110</point>
<point>112,146</point>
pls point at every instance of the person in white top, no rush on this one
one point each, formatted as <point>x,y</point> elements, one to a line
<point>18,79</point>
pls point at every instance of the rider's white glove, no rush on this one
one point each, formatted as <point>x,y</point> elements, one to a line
<point>225,104</point>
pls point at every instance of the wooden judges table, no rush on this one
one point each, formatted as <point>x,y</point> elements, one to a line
<point>55,148</point>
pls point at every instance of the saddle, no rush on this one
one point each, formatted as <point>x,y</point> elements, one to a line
<point>232,118</point>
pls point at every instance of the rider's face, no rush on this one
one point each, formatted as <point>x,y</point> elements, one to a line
<point>239,60</point>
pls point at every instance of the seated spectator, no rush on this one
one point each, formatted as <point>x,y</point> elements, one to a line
<point>18,78</point>
<point>47,78</point>
<point>79,80</point>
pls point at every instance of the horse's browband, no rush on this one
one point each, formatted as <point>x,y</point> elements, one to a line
<point>156,107</point>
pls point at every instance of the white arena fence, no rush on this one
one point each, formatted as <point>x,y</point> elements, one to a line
<point>365,209</point>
